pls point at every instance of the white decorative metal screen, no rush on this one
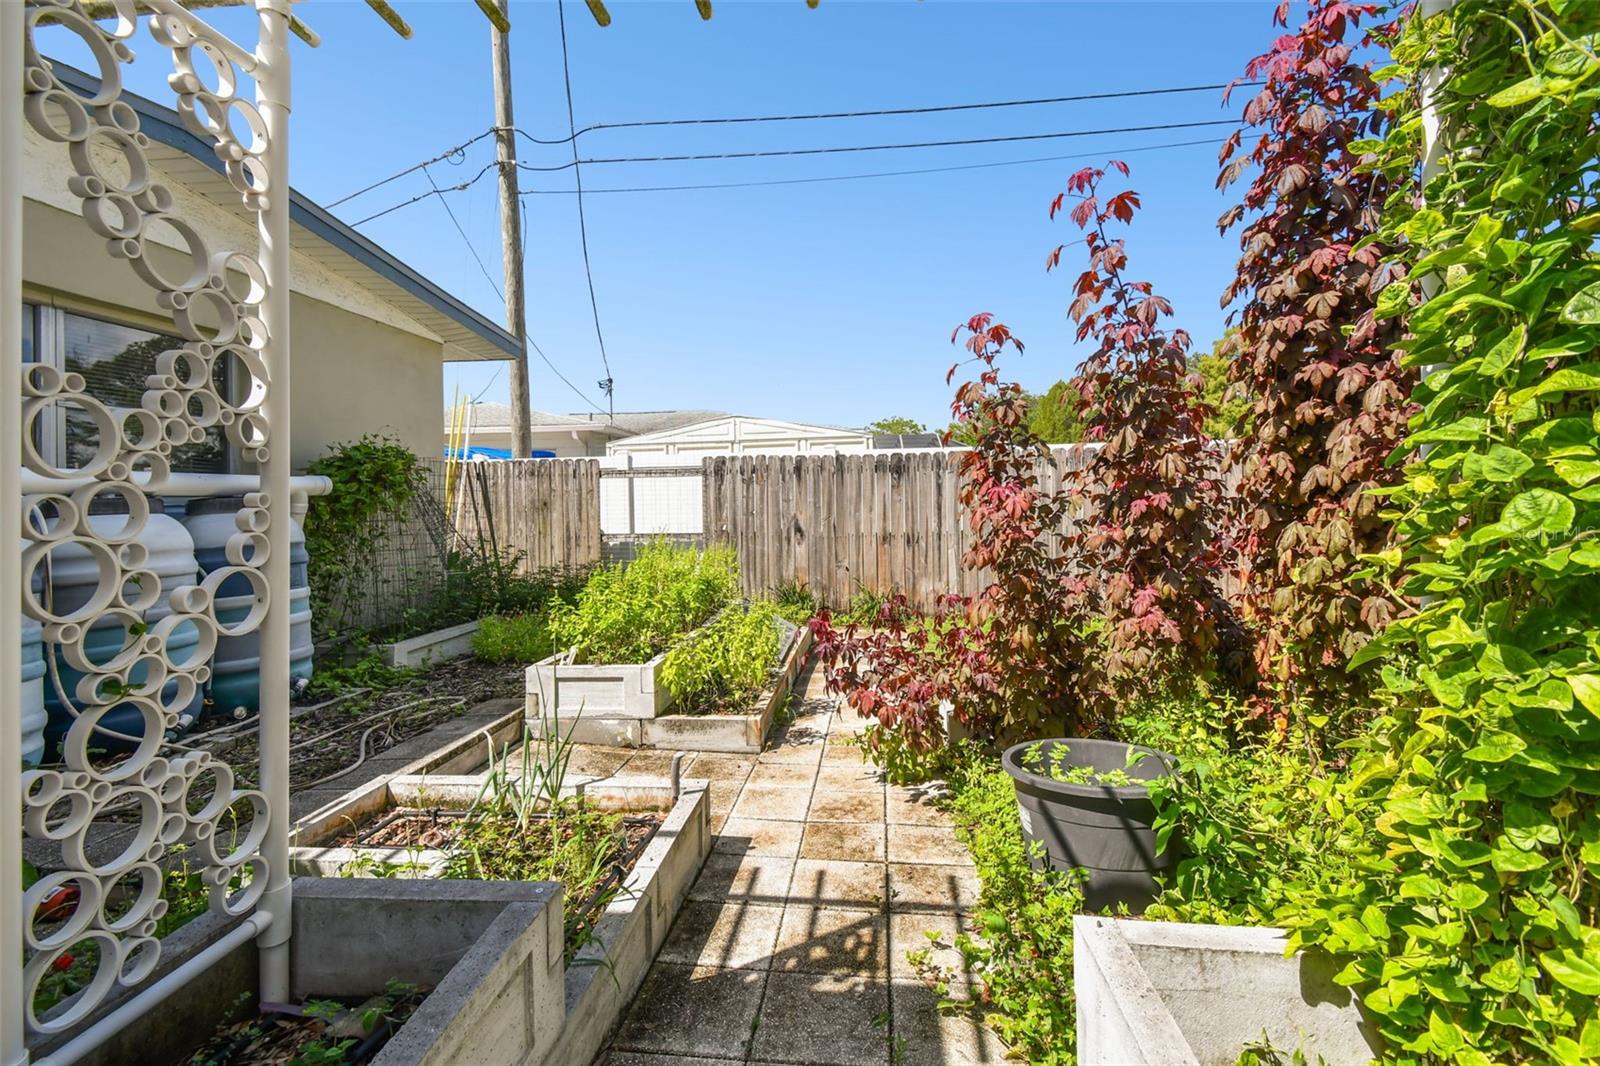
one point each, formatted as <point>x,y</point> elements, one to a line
<point>228,309</point>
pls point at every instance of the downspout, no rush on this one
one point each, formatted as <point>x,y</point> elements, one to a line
<point>13,1050</point>
<point>273,102</point>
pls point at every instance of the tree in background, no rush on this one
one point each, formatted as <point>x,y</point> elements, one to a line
<point>1057,416</point>
<point>1230,412</point>
<point>896,426</point>
<point>1328,393</point>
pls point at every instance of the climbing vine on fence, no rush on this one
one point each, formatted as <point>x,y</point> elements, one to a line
<point>1327,389</point>
<point>1474,936</point>
<point>375,478</point>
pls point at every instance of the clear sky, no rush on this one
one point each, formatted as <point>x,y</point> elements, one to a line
<point>827,301</point>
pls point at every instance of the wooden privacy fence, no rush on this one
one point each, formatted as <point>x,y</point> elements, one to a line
<point>841,523</point>
<point>546,509</point>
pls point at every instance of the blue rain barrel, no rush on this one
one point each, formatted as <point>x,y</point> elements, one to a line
<point>34,716</point>
<point>73,579</point>
<point>236,670</point>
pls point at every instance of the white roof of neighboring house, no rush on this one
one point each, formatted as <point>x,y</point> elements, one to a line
<point>316,234</point>
<point>497,416</point>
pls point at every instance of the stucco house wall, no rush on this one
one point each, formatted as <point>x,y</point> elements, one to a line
<point>362,363</point>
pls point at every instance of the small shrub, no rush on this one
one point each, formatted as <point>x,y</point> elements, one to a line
<point>722,666</point>
<point>520,638</point>
<point>795,601</point>
<point>633,612</point>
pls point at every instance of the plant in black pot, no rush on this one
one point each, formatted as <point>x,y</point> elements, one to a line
<point>1086,804</point>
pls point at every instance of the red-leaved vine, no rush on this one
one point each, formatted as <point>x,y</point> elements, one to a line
<point>1100,587</point>
<point>1146,552</point>
<point>1009,660</point>
<point>1329,394</point>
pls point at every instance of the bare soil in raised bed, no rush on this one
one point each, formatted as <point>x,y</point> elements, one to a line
<point>326,735</point>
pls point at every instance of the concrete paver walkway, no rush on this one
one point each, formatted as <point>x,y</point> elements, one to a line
<point>792,946</point>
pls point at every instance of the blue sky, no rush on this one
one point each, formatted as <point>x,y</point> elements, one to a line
<point>824,301</point>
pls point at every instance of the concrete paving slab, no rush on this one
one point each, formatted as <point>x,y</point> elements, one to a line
<point>693,1010</point>
<point>717,934</point>
<point>743,878</point>
<point>916,807</point>
<point>759,836</point>
<point>915,887</point>
<point>831,940</point>
<point>842,775</point>
<point>772,801</point>
<point>931,844</point>
<point>924,1033</point>
<point>635,1058</point>
<point>837,883</point>
<point>720,769</point>
<point>856,841</point>
<point>927,936</point>
<point>816,1019</point>
<point>784,774</point>
<point>829,806</point>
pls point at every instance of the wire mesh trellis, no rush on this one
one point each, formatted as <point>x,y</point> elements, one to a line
<point>418,560</point>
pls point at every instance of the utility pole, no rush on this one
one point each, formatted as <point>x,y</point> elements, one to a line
<point>505,140</point>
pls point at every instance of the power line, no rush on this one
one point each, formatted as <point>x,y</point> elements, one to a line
<point>435,191</point>
<point>458,150</point>
<point>607,385</point>
<point>490,279</point>
<point>476,258</point>
<point>839,149</point>
<point>880,112</point>
<point>874,174</point>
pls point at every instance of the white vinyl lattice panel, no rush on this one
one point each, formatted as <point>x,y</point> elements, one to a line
<point>663,497</point>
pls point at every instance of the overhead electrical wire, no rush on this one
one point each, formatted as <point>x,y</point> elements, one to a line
<point>608,383</point>
<point>873,174</point>
<point>882,112</point>
<point>458,150</point>
<point>842,149</point>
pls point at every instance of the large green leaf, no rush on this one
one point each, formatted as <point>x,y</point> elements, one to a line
<point>1586,689</point>
<point>1522,92</point>
<point>1576,970</point>
<point>1538,511</point>
<point>1584,307</point>
<point>1503,354</point>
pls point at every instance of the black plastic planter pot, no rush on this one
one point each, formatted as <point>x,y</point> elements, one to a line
<point>1102,830</point>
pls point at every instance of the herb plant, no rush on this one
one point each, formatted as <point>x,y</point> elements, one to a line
<point>631,613</point>
<point>722,666</point>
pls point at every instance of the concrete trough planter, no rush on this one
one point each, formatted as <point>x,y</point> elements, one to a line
<point>1175,994</point>
<point>624,706</point>
<point>565,1011</point>
<point>451,642</point>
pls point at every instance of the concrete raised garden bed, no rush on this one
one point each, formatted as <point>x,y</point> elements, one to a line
<point>451,642</point>
<point>549,1012</point>
<point>1175,994</point>
<point>623,706</point>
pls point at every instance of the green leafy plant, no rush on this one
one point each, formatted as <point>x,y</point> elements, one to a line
<point>522,638</point>
<point>723,665</point>
<point>633,612</point>
<point>1470,926</point>
<point>374,478</point>
<point>795,601</point>
<point>1053,764</point>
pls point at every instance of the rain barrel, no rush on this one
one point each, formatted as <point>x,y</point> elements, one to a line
<point>73,578</point>
<point>236,670</point>
<point>34,716</point>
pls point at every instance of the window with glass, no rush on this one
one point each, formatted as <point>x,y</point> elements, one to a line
<point>114,360</point>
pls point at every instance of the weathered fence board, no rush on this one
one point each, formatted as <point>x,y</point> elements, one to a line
<point>889,521</point>
<point>546,510</point>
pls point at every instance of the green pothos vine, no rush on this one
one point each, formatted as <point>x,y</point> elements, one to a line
<point>374,478</point>
<point>1473,933</point>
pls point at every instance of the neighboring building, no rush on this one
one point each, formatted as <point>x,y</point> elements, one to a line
<point>742,435</point>
<point>896,442</point>
<point>656,433</point>
<point>370,335</point>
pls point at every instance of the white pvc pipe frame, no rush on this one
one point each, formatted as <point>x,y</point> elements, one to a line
<point>270,925</point>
